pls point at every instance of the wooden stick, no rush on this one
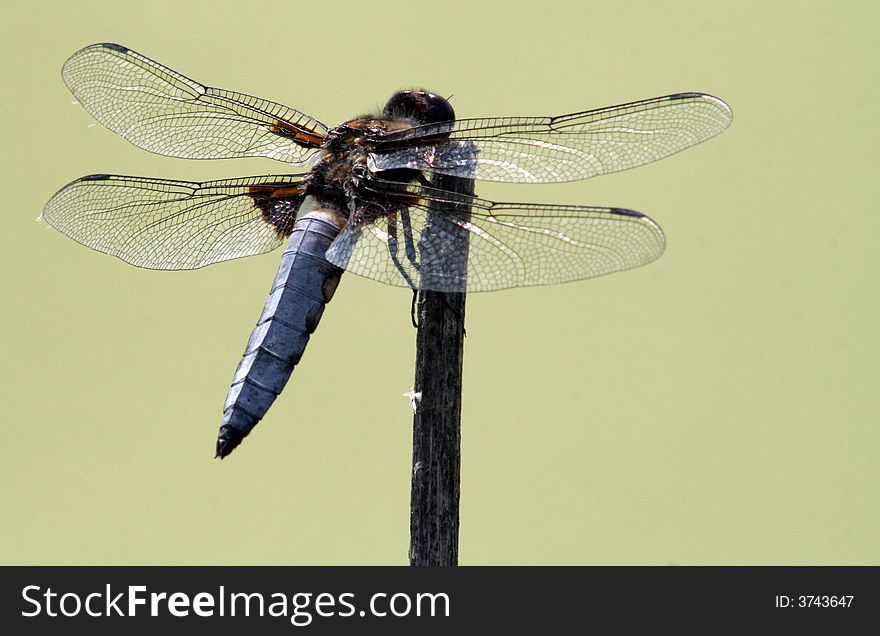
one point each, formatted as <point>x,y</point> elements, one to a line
<point>437,395</point>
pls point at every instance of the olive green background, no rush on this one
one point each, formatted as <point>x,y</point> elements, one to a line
<point>719,406</point>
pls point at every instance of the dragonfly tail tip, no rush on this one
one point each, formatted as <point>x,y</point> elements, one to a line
<point>227,440</point>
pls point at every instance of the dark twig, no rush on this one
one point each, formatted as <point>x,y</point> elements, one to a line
<point>437,398</point>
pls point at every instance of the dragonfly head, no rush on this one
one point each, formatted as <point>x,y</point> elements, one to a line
<point>419,105</point>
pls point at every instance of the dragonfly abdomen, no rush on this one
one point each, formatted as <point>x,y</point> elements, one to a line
<point>305,283</point>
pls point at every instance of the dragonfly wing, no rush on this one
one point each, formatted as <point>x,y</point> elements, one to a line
<point>506,244</point>
<point>162,111</point>
<point>556,149</point>
<point>167,224</point>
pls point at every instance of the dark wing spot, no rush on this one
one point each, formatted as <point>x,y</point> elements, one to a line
<point>115,47</point>
<point>278,204</point>
<point>625,212</point>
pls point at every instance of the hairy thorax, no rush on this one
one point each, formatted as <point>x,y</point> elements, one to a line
<point>337,177</point>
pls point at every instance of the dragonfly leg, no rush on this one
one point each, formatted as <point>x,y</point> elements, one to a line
<point>413,310</point>
<point>408,243</point>
<point>409,247</point>
<point>392,252</point>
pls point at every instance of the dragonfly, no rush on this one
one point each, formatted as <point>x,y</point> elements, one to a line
<point>380,195</point>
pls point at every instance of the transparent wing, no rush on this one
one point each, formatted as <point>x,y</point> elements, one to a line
<point>555,149</point>
<point>164,112</point>
<point>166,224</point>
<point>507,244</point>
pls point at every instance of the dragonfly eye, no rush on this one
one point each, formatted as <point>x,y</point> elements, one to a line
<point>422,106</point>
